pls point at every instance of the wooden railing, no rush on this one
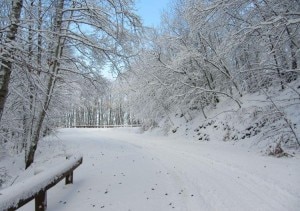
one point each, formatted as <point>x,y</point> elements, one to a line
<point>103,126</point>
<point>36,186</point>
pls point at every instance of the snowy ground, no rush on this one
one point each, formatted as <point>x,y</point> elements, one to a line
<point>125,170</point>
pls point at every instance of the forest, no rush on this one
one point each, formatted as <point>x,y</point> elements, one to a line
<point>53,55</point>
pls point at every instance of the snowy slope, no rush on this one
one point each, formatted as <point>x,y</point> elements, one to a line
<point>125,170</point>
<point>259,124</point>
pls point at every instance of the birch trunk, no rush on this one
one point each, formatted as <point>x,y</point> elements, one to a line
<point>7,58</point>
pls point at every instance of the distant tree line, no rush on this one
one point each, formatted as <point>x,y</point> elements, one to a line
<point>94,109</point>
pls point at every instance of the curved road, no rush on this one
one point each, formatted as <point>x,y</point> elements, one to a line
<point>124,170</point>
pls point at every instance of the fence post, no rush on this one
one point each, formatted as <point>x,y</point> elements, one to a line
<point>41,201</point>
<point>69,178</point>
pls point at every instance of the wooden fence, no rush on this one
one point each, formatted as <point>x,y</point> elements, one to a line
<point>36,186</point>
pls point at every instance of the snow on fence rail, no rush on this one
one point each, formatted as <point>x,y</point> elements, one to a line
<point>36,186</point>
<point>102,126</point>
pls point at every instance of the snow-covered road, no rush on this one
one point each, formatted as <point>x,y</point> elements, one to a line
<point>124,170</point>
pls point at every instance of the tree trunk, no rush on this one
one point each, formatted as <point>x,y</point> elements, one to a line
<point>7,59</point>
<point>39,41</point>
<point>50,87</point>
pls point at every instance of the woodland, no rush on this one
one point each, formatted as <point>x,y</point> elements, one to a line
<point>53,55</point>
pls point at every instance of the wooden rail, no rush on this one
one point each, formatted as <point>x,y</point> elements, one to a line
<point>36,186</point>
<point>103,126</point>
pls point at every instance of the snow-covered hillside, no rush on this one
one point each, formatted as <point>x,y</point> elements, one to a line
<point>124,169</point>
<point>265,122</point>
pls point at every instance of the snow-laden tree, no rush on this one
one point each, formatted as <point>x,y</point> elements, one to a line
<point>56,42</point>
<point>207,50</point>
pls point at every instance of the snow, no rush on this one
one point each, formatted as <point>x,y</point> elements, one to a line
<point>257,124</point>
<point>12,195</point>
<point>124,169</point>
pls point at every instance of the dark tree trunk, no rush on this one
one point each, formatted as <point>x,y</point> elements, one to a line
<point>7,60</point>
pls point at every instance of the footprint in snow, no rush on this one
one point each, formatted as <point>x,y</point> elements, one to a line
<point>171,205</point>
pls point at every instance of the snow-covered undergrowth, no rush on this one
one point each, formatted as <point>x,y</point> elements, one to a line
<point>267,122</point>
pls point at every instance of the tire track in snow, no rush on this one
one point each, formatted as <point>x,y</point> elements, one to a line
<point>247,191</point>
